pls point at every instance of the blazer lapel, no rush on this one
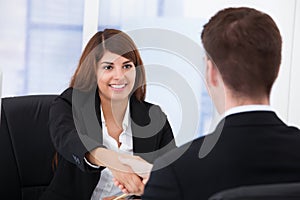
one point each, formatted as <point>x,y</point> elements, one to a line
<point>139,119</point>
<point>146,132</point>
<point>90,114</point>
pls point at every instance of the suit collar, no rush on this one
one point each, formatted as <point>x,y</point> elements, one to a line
<point>253,118</point>
<point>243,119</point>
<point>139,112</point>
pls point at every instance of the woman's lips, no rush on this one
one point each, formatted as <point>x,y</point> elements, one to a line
<point>117,86</point>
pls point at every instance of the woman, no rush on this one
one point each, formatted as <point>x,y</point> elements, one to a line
<point>101,119</point>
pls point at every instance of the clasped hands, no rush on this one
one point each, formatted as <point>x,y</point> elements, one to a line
<point>130,173</point>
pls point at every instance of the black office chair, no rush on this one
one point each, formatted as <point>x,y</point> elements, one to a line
<point>26,150</point>
<point>281,191</point>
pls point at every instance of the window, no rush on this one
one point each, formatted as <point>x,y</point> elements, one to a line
<point>41,43</point>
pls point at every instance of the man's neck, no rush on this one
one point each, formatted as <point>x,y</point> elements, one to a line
<point>234,101</point>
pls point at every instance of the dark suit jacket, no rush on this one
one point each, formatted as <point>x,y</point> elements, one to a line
<point>252,148</point>
<point>75,128</point>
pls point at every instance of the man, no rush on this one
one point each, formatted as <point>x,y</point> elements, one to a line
<point>251,145</point>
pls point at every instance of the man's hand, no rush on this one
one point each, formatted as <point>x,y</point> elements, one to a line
<point>140,167</point>
<point>130,172</point>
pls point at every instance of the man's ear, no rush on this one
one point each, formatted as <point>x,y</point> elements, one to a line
<point>212,73</point>
<point>216,86</point>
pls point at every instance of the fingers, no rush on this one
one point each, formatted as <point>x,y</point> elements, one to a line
<point>133,184</point>
<point>128,182</point>
<point>119,185</point>
<point>137,164</point>
<point>130,172</point>
<point>125,191</point>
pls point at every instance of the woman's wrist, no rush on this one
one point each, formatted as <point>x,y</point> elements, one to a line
<point>94,156</point>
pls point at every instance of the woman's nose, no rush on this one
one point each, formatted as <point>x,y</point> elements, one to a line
<point>118,73</point>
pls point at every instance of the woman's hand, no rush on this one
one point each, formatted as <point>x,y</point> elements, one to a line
<point>140,167</point>
<point>130,172</point>
<point>129,183</point>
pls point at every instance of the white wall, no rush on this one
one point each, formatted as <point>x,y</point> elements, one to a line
<point>174,80</point>
<point>285,94</point>
<point>294,97</point>
<point>286,14</point>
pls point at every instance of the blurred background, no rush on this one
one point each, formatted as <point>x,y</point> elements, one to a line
<point>41,42</point>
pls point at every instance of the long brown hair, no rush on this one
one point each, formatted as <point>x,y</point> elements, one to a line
<point>116,42</point>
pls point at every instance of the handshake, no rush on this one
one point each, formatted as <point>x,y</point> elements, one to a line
<point>130,172</point>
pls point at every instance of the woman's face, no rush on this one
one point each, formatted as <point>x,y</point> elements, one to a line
<point>115,76</point>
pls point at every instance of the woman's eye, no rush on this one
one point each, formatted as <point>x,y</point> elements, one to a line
<point>128,66</point>
<point>108,67</point>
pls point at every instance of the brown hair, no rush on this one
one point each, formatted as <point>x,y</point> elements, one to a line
<point>116,42</point>
<point>245,46</point>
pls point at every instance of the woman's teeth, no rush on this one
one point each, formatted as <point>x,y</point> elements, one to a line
<point>118,86</point>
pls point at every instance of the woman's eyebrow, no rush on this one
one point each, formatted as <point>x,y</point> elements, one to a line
<point>128,61</point>
<point>106,62</point>
<point>111,63</point>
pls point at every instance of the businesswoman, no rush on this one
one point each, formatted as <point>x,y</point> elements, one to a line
<point>101,119</point>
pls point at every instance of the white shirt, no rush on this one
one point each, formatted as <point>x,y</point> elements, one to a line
<point>105,186</point>
<point>238,109</point>
<point>248,108</point>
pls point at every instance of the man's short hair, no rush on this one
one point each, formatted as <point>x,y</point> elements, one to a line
<point>245,46</point>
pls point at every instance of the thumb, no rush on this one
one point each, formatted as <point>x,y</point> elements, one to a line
<point>139,166</point>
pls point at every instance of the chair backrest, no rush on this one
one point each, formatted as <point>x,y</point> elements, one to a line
<point>26,149</point>
<point>280,191</point>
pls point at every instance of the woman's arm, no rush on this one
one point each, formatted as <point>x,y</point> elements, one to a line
<point>65,137</point>
<point>71,144</point>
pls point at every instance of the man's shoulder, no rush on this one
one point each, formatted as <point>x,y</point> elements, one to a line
<point>183,154</point>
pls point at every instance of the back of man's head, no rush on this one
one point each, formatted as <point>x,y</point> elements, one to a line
<point>245,46</point>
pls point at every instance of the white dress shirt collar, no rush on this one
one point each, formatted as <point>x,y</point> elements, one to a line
<point>235,110</point>
<point>125,122</point>
<point>125,137</point>
<point>248,108</point>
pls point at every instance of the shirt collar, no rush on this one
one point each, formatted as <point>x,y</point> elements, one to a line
<point>238,109</point>
<point>248,108</point>
<point>125,122</point>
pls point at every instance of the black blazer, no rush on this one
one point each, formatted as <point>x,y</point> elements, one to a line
<point>252,148</point>
<point>75,128</point>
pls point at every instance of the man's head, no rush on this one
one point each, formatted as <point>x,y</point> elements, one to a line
<point>245,46</point>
